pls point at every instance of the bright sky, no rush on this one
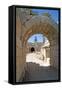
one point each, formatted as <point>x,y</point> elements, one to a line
<point>54,14</point>
<point>39,38</point>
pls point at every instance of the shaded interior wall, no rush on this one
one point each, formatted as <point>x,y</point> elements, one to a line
<point>54,53</point>
<point>19,52</point>
<point>21,16</point>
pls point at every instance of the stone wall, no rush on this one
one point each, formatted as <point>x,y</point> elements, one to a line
<point>26,25</point>
<point>36,46</point>
<point>19,52</point>
<point>54,54</point>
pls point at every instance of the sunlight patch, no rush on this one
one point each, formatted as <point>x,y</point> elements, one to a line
<point>33,57</point>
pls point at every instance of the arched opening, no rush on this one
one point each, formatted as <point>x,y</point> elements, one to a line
<point>38,50</point>
<point>36,25</point>
<point>52,61</point>
<point>32,49</point>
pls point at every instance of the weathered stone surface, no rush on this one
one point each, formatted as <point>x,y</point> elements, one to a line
<point>26,25</point>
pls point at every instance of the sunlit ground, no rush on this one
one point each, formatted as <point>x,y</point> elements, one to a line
<point>37,59</point>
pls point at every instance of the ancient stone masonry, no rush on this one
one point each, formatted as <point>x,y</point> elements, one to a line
<point>26,26</point>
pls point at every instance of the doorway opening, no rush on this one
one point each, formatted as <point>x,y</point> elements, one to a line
<point>32,49</point>
<point>38,50</point>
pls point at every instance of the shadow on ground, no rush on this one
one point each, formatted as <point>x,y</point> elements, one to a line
<point>34,72</point>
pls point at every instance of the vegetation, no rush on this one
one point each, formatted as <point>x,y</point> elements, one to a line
<point>46,14</point>
<point>33,13</point>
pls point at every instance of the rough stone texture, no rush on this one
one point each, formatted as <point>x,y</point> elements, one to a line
<point>19,52</point>
<point>36,73</point>
<point>54,55</point>
<point>26,25</point>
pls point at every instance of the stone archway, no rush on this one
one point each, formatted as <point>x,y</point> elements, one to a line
<point>37,24</point>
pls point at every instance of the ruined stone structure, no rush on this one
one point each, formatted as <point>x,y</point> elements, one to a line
<point>26,26</point>
<point>37,47</point>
